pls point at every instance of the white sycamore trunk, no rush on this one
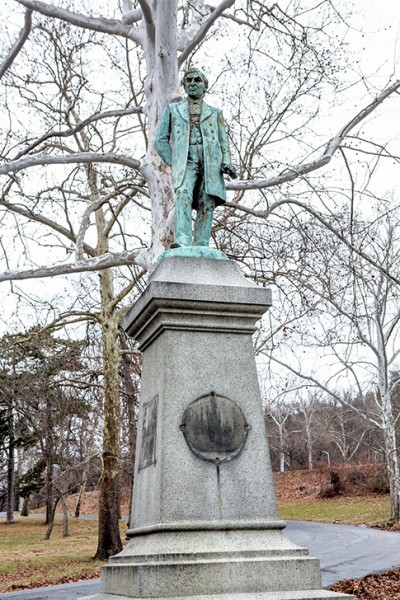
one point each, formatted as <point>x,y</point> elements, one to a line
<point>388,429</point>
<point>281,448</point>
<point>309,444</point>
<point>162,86</point>
<point>392,461</point>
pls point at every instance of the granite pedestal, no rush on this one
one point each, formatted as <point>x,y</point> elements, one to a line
<point>204,522</point>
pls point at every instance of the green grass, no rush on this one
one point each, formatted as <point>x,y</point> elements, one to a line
<point>29,561</point>
<point>357,511</point>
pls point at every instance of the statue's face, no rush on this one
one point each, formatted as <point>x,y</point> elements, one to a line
<point>194,85</point>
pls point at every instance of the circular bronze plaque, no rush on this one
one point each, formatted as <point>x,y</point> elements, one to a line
<point>214,428</point>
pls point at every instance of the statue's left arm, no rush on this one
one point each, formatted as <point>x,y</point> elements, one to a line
<point>227,166</point>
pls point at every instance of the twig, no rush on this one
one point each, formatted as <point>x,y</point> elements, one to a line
<point>68,132</point>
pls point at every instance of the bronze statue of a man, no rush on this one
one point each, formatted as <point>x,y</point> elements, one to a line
<point>191,138</point>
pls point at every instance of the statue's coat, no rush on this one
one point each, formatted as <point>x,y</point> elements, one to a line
<point>172,144</point>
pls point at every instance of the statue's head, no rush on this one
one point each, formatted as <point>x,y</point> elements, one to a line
<point>195,83</point>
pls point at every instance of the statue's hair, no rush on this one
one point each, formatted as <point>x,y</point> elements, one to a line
<point>195,70</point>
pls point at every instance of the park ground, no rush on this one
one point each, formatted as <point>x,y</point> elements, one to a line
<point>28,561</point>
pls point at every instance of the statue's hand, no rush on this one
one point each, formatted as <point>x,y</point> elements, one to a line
<point>229,169</point>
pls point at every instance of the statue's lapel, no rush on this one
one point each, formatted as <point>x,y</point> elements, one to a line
<point>206,111</point>
<point>183,108</point>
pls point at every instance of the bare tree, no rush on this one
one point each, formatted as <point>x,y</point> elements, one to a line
<point>344,430</point>
<point>278,409</point>
<point>355,330</point>
<point>308,403</point>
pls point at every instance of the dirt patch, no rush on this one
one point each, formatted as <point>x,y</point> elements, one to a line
<point>90,504</point>
<point>354,481</point>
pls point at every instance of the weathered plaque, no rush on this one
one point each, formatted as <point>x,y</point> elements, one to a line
<point>149,431</point>
<point>215,428</point>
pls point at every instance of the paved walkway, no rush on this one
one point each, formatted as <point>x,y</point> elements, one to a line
<point>344,551</point>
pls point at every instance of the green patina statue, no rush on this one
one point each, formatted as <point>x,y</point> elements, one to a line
<point>191,138</point>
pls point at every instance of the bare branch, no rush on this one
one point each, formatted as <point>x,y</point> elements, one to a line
<point>332,146</point>
<point>131,197</point>
<point>79,157</point>
<point>95,24</point>
<point>126,290</point>
<point>146,10</point>
<point>202,32</point>
<point>132,16</point>
<point>105,261</point>
<point>23,36</point>
<point>147,16</point>
<point>79,127</point>
<point>85,222</point>
<point>73,316</point>
<point>324,222</point>
<point>29,214</point>
<point>253,26</point>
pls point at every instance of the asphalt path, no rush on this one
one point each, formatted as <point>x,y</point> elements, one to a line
<point>345,552</point>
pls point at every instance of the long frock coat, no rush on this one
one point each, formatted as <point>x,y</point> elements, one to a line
<point>172,144</point>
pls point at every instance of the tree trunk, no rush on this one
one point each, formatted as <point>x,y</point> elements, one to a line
<point>389,432</point>
<point>109,540</point>
<point>82,487</point>
<point>131,396</point>
<point>49,464</point>
<point>50,524</point>
<point>25,507</point>
<point>392,464</point>
<point>281,449</point>
<point>10,469</point>
<point>78,505</point>
<point>161,87</point>
<point>49,491</point>
<point>309,444</point>
<point>65,515</point>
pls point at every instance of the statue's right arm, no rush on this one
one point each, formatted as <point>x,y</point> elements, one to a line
<point>161,141</point>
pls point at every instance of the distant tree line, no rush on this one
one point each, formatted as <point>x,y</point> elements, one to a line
<point>51,421</point>
<point>324,433</point>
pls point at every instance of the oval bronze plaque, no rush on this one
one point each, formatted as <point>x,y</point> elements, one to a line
<point>214,428</point>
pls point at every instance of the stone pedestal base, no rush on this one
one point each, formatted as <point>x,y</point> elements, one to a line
<point>204,522</point>
<point>303,595</point>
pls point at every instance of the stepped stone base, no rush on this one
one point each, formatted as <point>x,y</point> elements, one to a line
<point>246,562</point>
<point>204,523</point>
<point>303,595</point>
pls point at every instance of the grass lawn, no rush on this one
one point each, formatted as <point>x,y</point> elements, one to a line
<point>28,561</point>
<point>373,510</point>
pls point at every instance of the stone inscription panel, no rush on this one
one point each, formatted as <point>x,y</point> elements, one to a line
<point>149,433</point>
